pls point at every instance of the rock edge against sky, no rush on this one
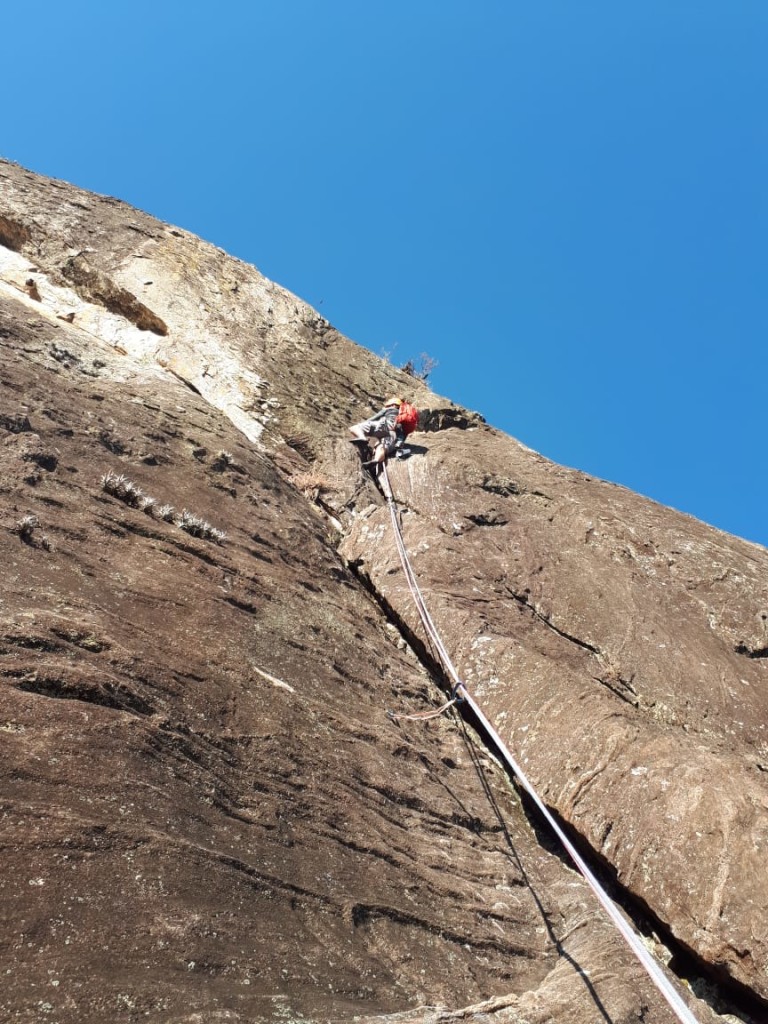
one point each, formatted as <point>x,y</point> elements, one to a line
<point>208,813</point>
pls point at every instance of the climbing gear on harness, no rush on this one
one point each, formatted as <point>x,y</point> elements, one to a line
<point>657,976</point>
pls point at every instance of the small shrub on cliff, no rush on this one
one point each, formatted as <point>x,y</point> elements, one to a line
<point>421,371</point>
<point>311,484</point>
<point>223,460</point>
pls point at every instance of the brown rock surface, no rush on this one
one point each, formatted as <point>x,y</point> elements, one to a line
<point>207,814</point>
<point>617,645</point>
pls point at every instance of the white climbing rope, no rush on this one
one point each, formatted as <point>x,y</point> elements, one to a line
<point>460,693</point>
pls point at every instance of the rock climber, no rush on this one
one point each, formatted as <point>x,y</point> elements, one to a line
<point>389,426</point>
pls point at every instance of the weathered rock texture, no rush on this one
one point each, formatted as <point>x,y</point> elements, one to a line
<point>206,813</point>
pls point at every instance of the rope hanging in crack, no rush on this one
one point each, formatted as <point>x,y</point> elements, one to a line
<point>651,965</point>
<point>425,716</point>
<point>421,716</point>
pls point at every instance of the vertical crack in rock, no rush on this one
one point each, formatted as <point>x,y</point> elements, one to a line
<point>717,988</point>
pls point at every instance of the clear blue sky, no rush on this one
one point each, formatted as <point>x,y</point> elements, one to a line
<point>564,203</point>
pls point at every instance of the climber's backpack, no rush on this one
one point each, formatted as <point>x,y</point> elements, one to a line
<point>407,418</point>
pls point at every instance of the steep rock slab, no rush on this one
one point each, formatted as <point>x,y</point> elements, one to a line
<point>206,812</point>
<point>617,646</point>
<point>157,304</point>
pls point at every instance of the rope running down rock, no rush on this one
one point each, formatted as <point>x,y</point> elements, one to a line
<point>460,694</point>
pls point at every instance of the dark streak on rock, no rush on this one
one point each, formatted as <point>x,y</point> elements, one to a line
<point>243,606</point>
<point>524,601</point>
<point>364,913</point>
<point>751,652</point>
<point>94,286</point>
<point>108,695</point>
<point>490,519</point>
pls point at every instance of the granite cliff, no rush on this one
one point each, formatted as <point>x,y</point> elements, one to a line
<point>207,813</point>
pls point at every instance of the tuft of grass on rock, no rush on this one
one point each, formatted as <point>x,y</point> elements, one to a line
<point>25,530</point>
<point>222,461</point>
<point>119,486</point>
<point>26,526</point>
<point>197,527</point>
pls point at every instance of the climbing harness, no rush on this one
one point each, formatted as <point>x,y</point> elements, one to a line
<point>460,694</point>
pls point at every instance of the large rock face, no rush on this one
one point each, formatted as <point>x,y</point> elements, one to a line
<point>207,813</point>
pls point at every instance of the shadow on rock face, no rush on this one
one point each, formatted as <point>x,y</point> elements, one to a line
<point>412,449</point>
